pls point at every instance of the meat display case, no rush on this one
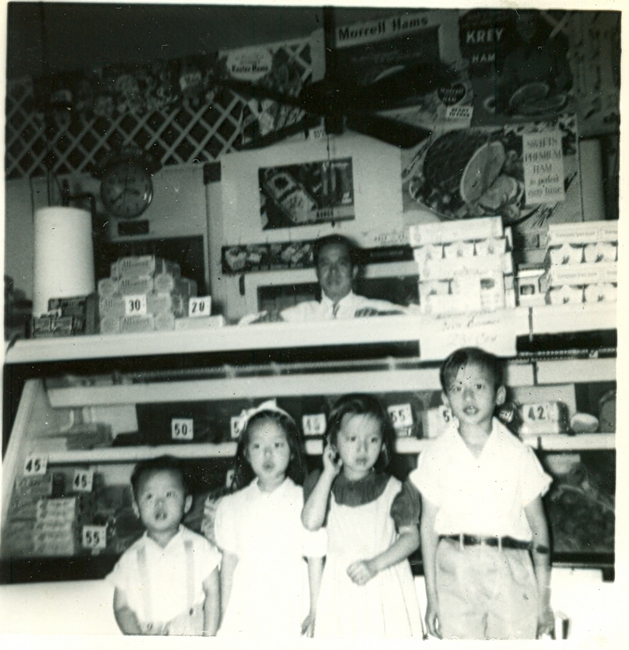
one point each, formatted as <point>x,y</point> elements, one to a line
<point>79,412</point>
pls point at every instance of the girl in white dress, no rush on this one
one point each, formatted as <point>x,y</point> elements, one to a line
<point>268,590</point>
<point>372,519</point>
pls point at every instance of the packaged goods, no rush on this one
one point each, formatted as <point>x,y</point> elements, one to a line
<point>444,269</point>
<point>459,230</point>
<point>564,254</point>
<point>434,288</point>
<point>143,265</point>
<point>529,290</point>
<point>600,252</point>
<point>428,252</point>
<point>579,274</point>
<point>458,249</point>
<point>164,322</point>
<point>603,292</point>
<point>107,287</point>
<point>565,294</point>
<point>110,325</point>
<point>144,323</point>
<point>491,246</point>
<point>582,233</point>
<point>135,286</point>
<point>492,292</point>
<point>112,306</point>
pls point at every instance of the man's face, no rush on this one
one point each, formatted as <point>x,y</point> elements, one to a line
<point>335,271</point>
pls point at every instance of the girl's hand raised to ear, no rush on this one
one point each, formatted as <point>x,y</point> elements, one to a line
<point>331,462</point>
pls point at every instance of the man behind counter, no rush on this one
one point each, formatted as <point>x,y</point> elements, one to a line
<point>336,266</point>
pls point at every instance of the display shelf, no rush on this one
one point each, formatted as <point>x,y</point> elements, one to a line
<point>578,442</point>
<point>263,336</point>
<point>580,317</point>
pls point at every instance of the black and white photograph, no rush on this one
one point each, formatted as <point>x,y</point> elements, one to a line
<point>311,334</point>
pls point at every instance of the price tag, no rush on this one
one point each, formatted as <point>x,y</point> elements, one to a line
<point>94,537</point>
<point>235,426</point>
<point>182,429</point>
<point>34,465</point>
<point>135,305</point>
<point>401,416</point>
<point>83,480</point>
<point>536,412</point>
<point>229,477</point>
<point>198,307</point>
<point>313,425</point>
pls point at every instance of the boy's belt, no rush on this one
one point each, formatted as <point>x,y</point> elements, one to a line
<point>500,542</point>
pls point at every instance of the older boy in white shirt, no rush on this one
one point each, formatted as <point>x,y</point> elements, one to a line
<point>482,515</point>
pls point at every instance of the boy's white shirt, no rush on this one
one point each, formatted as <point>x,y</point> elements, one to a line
<point>167,573</point>
<point>480,496</point>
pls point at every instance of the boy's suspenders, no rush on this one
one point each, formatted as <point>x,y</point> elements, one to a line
<point>146,591</point>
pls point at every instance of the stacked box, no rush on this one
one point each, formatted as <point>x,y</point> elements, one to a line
<point>157,286</point>
<point>581,263</point>
<point>463,266</point>
<point>58,524</point>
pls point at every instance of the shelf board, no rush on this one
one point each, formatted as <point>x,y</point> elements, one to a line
<point>314,447</point>
<point>581,317</point>
<point>264,336</point>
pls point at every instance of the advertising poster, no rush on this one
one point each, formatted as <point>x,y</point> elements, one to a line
<point>528,173</point>
<point>306,193</point>
<point>249,258</point>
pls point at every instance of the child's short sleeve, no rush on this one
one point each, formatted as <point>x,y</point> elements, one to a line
<point>406,506</point>
<point>121,573</point>
<point>534,481</point>
<point>426,478</point>
<point>225,526</point>
<point>206,557</point>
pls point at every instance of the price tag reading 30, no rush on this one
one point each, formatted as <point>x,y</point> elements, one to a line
<point>182,429</point>
<point>401,416</point>
<point>83,480</point>
<point>135,305</point>
<point>34,465</point>
<point>198,307</point>
<point>94,537</point>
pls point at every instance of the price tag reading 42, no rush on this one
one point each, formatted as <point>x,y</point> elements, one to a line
<point>198,307</point>
<point>83,480</point>
<point>313,425</point>
<point>94,537</point>
<point>34,465</point>
<point>135,305</point>
<point>401,416</point>
<point>182,429</point>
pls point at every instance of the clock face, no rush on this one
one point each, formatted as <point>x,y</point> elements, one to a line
<point>126,190</point>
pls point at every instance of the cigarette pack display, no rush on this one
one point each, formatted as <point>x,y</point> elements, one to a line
<point>144,323</point>
<point>429,251</point>
<point>112,306</point>
<point>580,274</point>
<point>142,265</point>
<point>443,269</point>
<point>603,292</point>
<point>564,254</point>
<point>50,326</point>
<point>135,286</point>
<point>199,323</point>
<point>458,249</point>
<point>491,246</point>
<point>565,294</point>
<point>450,231</point>
<point>107,287</point>
<point>582,233</point>
<point>603,251</point>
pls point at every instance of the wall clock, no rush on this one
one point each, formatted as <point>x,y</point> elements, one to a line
<point>126,188</point>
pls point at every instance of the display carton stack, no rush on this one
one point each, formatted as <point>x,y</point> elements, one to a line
<point>464,266</point>
<point>142,294</point>
<point>581,263</point>
<point>58,524</point>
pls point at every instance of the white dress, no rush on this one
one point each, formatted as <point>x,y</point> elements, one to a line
<point>387,605</point>
<point>270,595</point>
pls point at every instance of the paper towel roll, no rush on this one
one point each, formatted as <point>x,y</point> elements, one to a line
<point>64,255</point>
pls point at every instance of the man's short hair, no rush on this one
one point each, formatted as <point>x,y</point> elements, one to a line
<point>461,357</point>
<point>322,242</point>
<point>146,468</point>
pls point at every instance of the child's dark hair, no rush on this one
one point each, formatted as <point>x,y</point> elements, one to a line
<point>296,470</point>
<point>361,404</point>
<point>461,357</point>
<point>160,464</point>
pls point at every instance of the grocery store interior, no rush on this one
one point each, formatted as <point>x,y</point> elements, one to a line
<point>168,170</point>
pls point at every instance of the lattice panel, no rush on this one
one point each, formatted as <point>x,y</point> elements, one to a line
<point>177,135</point>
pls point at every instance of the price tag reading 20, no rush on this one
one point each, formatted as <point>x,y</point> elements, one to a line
<point>94,537</point>
<point>135,305</point>
<point>199,307</point>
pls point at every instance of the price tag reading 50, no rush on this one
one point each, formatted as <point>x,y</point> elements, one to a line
<point>182,429</point>
<point>94,537</point>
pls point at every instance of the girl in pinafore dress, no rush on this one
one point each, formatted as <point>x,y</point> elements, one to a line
<point>271,568</point>
<point>367,589</point>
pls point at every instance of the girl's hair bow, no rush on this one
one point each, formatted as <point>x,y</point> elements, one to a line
<point>247,414</point>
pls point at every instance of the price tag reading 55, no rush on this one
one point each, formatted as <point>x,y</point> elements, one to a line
<point>94,537</point>
<point>401,416</point>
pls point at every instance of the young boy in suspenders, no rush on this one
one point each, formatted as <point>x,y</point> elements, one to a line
<point>167,582</point>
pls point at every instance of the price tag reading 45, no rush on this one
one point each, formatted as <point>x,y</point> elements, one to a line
<point>94,537</point>
<point>401,416</point>
<point>135,305</point>
<point>198,307</point>
<point>83,480</point>
<point>313,425</point>
<point>34,465</point>
<point>182,429</point>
